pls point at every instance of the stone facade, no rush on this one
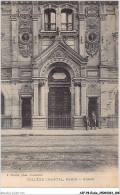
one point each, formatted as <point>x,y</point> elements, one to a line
<point>78,40</point>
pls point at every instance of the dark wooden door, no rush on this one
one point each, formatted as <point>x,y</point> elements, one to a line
<point>93,107</point>
<point>59,107</point>
<point>26,112</point>
<point>59,101</point>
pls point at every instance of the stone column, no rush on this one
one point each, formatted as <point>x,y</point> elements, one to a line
<point>35,85</point>
<point>77,98</point>
<point>74,20</point>
<point>58,23</point>
<point>81,46</point>
<point>83,98</point>
<point>42,97</point>
<point>35,28</point>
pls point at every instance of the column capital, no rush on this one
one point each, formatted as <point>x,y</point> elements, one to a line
<point>35,82</point>
<point>83,84</point>
<point>42,82</point>
<point>35,17</point>
<point>81,17</point>
<point>77,82</point>
<point>14,17</point>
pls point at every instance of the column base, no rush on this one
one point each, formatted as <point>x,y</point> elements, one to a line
<point>39,122</point>
<point>78,123</point>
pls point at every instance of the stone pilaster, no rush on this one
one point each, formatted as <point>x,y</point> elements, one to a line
<point>104,55</point>
<point>42,97</point>
<point>35,28</point>
<point>39,121</point>
<point>14,23</point>
<point>35,86</point>
<point>77,98</point>
<point>83,98</point>
<point>81,41</point>
<point>115,38</point>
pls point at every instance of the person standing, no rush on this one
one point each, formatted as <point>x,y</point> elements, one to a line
<point>93,120</point>
<point>87,122</point>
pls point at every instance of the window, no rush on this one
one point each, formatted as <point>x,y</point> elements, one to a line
<point>66,19</point>
<point>50,19</point>
<point>2,103</point>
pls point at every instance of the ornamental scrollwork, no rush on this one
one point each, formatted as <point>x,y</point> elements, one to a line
<point>25,32</point>
<point>92,34</point>
<point>93,88</point>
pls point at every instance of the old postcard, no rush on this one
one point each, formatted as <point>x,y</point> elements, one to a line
<point>59,94</point>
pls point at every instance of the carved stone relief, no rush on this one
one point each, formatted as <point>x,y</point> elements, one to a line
<point>26,88</point>
<point>93,88</point>
<point>92,34</point>
<point>25,32</point>
<point>6,73</point>
<point>59,56</point>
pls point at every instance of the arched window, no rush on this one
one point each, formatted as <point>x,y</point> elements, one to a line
<point>66,19</point>
<point>2,104</point>
<point>50,20</point>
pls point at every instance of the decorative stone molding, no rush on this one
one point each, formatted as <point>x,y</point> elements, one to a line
<point>83,84</point>
<point>26,88</point>
<point>6,73</point>
<point>14,17</point>
<point>93,88</point>
<point>92,11</point>
<point>25,32</point>
<point>81,17</point>
<point>36,82</point>
<point>92,34</point>
<point>42,82</point>
<point>54,59</point>
<point>68,6</point>
<point>115,36</point>
<point>77,82</point>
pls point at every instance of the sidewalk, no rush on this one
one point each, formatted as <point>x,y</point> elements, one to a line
<point>50,132</point>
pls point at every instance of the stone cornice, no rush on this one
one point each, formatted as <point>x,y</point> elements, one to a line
<point>73,33</point>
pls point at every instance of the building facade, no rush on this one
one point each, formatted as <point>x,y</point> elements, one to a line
<point>59,62</point>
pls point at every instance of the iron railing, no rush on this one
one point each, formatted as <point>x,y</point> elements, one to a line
<point>64,121</point>
<point>59,121</point>
<point>6,122</point>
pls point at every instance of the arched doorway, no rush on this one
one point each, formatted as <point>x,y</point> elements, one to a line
<point>59,99</point>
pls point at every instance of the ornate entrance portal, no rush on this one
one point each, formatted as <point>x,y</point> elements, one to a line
<point>59,99</point>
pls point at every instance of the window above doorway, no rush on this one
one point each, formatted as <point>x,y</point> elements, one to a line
<point>66,20</point>
<point>50,20</point>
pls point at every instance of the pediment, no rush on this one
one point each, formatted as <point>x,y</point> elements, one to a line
<point>59,50</point>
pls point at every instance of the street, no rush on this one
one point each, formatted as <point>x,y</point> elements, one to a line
<point>58,152</point>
